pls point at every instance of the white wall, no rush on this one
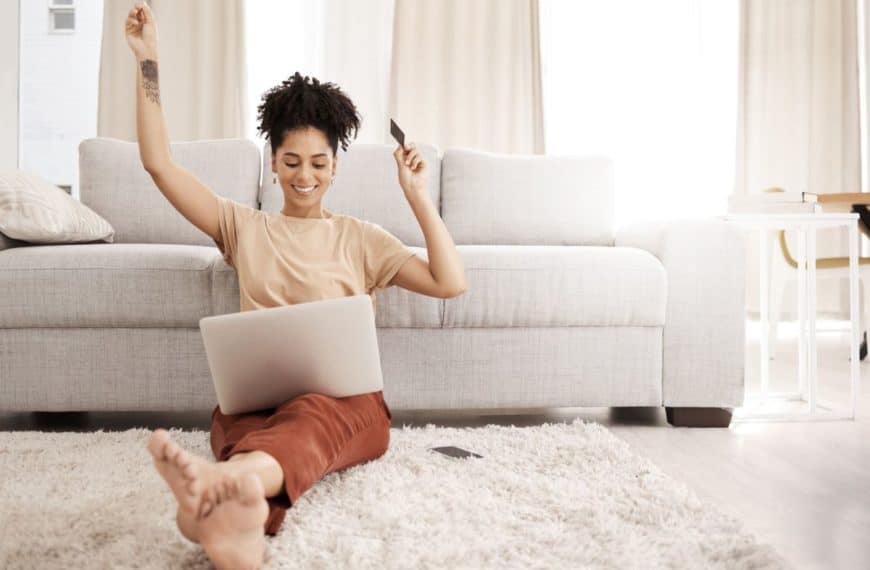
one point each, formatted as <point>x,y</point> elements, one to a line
<point>8,84</point>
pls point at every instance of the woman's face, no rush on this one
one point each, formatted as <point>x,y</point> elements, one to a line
<point>304,166</point>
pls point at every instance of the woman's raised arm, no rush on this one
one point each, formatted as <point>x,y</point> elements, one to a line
<point>185,192</point>
<point>141,33</point>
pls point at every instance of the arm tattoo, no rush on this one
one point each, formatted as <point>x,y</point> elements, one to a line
<point>149,80</point>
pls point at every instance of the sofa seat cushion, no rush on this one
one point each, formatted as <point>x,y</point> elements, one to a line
<point>558,286</point>
<point>107,285</point>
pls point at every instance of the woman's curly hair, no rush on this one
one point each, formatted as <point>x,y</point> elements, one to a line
<point>299,103</point>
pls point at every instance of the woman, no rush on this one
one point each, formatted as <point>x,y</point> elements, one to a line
<point>267,459</point>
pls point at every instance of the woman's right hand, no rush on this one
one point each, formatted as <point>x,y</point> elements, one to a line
<point>141,31</point>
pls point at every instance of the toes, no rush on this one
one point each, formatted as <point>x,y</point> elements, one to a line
<point>195,486</point>
<point>247,489</point>
<point>224,490</point>
<point>205,509</point>
<point>163,448</point>
<point>212,495</point>
<point>196,477</point>
<point>192,487</point>
<point>189,471</point>
<point>157,443</point>
<point>207,502</point>
<point>182,459</point>
<point>171,451</point>
<point>195,471</point>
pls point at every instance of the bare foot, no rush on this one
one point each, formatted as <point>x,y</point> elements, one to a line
<point>191,477</point>
<point>231,527</point>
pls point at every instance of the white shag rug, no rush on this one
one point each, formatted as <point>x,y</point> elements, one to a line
<point>563,495</point>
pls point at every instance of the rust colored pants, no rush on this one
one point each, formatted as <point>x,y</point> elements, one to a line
<point>311,436</point>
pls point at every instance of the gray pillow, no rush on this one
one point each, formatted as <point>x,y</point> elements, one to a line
<point>36,211</point>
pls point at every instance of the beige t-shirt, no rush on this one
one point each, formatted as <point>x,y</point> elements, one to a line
<point>282,260</point>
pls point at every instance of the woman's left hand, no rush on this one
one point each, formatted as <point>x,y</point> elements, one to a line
<point>412,168</point>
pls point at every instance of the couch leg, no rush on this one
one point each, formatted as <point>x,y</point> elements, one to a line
<point>699,417</point>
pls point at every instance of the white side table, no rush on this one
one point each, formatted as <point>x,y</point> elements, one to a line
<point>756,405</point>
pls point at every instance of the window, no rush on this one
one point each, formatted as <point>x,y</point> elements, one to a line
<point>653,86</point>
<point>58,87</point>
<point>63,21</point>
<point>274,54</point>
<point>61,16</point>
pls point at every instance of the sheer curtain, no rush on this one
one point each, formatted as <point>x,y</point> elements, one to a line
<point>283,37</point>
<point>800,117</point>
<point>338,41</point>
<point>202,71</point>
<point>467,74</point>
<point>451,73</point>
<point>653,85</point>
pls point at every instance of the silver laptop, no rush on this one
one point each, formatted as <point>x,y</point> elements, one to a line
<point>260,359</point>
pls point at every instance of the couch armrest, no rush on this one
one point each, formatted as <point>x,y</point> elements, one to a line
<point>704,335</point>
<point>8,242</point>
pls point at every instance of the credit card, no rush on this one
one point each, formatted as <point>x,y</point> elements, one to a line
<point>397,133</point>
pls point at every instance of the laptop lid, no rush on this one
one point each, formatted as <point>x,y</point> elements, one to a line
<point>260,359</point>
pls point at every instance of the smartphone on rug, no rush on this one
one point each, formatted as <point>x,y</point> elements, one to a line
<point>451,451</point>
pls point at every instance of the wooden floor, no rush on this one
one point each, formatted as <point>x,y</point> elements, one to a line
<point>802,487</point>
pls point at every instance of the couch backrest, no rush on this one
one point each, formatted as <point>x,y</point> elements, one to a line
<point>114,184</point>
<point>489,198</point>
<point>367,187</point>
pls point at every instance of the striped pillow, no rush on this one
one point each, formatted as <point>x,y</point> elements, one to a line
<point>36,211</point>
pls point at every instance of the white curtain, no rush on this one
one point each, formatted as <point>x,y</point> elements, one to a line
<point>800,123</point>
<point>799,115</point>
<point>202,70</point>
<point>343,42</point>
<point>481,87</point>
<point>467,74</point>
<point>357,47</point>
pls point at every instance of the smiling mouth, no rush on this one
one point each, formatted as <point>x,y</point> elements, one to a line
<point>305,191</point>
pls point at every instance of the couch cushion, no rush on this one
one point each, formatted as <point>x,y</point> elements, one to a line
<point>7,242</point>
<point>399,308</point>
<point>558,286</point>
<point>489,198</point>
<point>109,285</point>
<point>116,186</point>
<point>36,211</point>
<point>367,187</point>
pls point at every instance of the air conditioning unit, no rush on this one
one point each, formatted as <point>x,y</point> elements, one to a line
<point>61,16</point>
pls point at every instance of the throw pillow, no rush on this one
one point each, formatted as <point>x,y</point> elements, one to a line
<point>36,211</point>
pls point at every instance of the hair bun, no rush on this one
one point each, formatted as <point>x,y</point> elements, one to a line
<point>301,101</point>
